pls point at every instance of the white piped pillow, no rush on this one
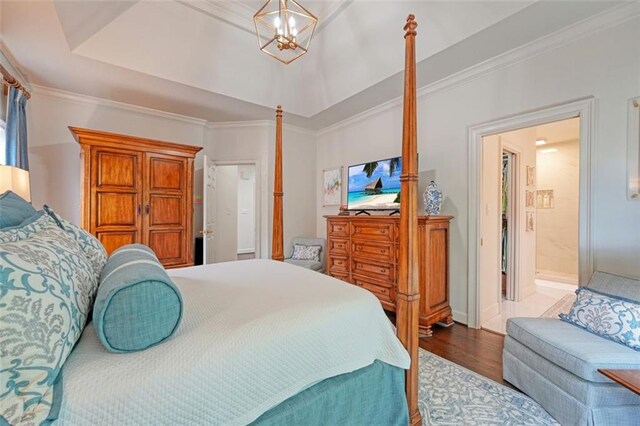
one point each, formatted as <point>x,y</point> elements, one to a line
<point>302,252</point>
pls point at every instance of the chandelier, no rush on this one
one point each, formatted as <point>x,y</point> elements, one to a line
<point>284,29</point>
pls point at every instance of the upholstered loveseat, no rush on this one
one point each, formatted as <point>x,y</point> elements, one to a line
<point>556,364</point>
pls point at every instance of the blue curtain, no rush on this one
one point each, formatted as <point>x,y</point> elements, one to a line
<point>16,130</point>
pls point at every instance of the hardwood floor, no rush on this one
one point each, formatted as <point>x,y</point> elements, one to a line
<point>477,350</point>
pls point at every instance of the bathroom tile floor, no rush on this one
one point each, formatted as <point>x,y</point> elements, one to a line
<point>546,295</point>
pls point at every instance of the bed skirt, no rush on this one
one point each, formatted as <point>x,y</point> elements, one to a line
<point>373,395</point>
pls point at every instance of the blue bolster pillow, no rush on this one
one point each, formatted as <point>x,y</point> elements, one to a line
<point>137,305</point>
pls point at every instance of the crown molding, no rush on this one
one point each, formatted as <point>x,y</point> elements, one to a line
<point>8,62</point>
<point>607,19</point>
<point>90,100</point>
<point>258,123</point>
<point>234,124</point>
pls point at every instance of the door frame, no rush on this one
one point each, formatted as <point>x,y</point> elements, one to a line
<point>583,108</point>
<point>257,205</point>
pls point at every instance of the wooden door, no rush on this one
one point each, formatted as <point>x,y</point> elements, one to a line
<point>116,196</point>
<point>166,208</point>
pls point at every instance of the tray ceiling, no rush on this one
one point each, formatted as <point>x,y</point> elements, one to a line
<point>201,58</point>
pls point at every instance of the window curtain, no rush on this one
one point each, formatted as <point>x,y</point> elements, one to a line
<point>16,130</point>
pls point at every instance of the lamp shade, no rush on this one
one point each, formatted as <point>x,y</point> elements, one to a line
<point>16,180</point>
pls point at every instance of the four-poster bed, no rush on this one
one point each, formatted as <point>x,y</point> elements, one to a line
<point>265,342</point>
<point>408,292</point>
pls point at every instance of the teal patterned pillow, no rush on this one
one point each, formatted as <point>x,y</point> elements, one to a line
<point>30,226</point>
<point>607,316</point>
<point>46,292</point>
<point>90,245</point>
<point>14,209</point>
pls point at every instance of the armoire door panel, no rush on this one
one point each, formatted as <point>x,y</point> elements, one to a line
<point>116,209</point>
<point>166,210</point>
<point>117,169</point>
<point>111,240</point>
<point>165,219</point>
<point>168,245</point>
<point>166,174</point>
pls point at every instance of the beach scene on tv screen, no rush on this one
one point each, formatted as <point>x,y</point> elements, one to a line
<point>375,185</point>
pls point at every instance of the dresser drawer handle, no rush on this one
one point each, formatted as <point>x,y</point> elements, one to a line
<point>383,251</point>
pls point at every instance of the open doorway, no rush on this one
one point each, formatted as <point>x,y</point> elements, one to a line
<point>530,223</point>
<point>231,211</point>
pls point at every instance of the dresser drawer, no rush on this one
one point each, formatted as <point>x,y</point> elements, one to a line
<point>338,228</point>
<point>338,246</point>
<point>339,264</point>
<point>374,251</point>
<point>372,231</point>
<point>382,292</point>
<point>340,275</point>
<point>377,270</point>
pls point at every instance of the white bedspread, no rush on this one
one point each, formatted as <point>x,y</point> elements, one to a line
<point>254,333</point>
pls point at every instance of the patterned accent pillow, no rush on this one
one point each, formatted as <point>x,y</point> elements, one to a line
<point>607,316</point>
<point>46,292</point>
<point>302,252</point>
<point>90,245</point>
<point>30,226</point>
<point>14,209</point>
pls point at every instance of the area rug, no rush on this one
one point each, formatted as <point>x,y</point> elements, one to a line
<point>562,306</point>
<point>452,395</point>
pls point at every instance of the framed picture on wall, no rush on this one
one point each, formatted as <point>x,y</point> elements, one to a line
<point>332,187</point>
<point>531,175</point>
<point>545,199</point>
<point>530,222</point>
<point>530,201</point>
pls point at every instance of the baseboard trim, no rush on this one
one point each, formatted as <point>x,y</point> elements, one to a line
<point>490,312</point>
<point>460,317</point>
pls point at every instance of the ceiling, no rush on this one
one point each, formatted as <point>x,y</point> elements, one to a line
<point>559,131</point>
<point>200,58</point>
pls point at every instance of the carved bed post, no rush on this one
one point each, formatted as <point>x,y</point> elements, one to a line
<point>408,297</point>
<point>277,241</point>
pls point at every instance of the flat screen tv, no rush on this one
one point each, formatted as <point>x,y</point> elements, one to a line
<point>375,185</point>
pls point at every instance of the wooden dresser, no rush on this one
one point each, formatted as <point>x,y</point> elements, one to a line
<point>137,190</point>
<point>363,250</point>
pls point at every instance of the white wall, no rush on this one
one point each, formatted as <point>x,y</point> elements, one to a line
<point>256,141</point>
<point>603,64</point>
<point>55,162</point>
<point>557,227</point>
<point>246,209</point>
<point>54,155</point>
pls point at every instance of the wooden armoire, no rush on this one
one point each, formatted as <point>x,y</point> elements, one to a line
<point>137,190</point>
<point>363,250</point>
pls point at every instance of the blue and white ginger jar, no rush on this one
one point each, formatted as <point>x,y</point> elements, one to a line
<point>432,199</point>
